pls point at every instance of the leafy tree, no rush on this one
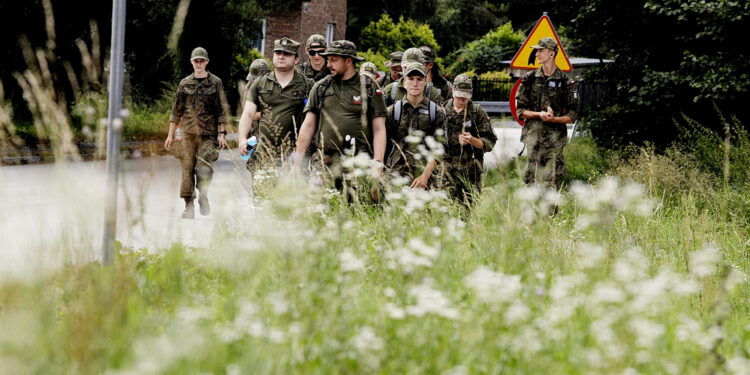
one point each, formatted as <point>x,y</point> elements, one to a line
<point>693,61</point>
<point>485,54</point>
<point>385,36</point>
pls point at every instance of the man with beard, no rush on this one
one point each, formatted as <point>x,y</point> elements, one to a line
<point>345,113</point>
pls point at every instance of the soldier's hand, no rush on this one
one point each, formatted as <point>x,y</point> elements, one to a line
<point>168,143</point>
<point>465,138</point>
<point>420,182</point>
<point>223,142</point>
<point>243,146</point>
<point>545,116</point>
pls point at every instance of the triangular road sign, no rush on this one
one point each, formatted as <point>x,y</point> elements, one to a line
<point>542,29</point>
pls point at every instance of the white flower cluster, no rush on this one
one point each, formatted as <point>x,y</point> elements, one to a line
<point>360,165</point>
<point>609,193</point>
<point>350,262</point>
<point>430,301</point>
<point>415,254</point>
<point>417,199</point>
<point>536,200</point>
<point>493,287</point>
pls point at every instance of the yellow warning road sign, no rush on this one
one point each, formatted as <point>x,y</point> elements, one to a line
<point>525,57</point>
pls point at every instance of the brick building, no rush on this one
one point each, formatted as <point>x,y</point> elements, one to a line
<point>302,19</point>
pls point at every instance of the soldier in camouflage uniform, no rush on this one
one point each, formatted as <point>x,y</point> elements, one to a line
<point>345,113</point>
<point>396,91</point>
<point>410,116</point>
<point>547,99</point>
<point>315,67</point>
<point>280,96</point>
<point>469,135</point>
<point>371,71</point>
<point>434,77</point>
<point>394,65</point>
<point>200,109</point>
<point>258,68</point>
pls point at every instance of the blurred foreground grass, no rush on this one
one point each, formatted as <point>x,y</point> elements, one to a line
<point>623,279</point>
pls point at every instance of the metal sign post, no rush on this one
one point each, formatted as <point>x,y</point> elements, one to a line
<point>114,128</point>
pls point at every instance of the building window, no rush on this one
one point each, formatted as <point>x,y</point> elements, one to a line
<point>330,30</point>
<point>260,42</point>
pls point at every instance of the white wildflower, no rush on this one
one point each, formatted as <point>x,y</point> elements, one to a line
<point>607,292</point>
<point>738,366</point>
<point>590,255</point>
<point>493,287</point>
<point>367,341</point>
<point>430,301</point>
<point>394,312</point>
<point>704,262</point>
<point>517,312</point>
<point>646,331</point>
<point>350,262</point>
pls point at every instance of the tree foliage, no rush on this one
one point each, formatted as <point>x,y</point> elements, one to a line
<point>385,36</point>
<point>485,54</point>
<point>694,61</point>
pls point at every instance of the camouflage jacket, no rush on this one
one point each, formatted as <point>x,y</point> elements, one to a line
<point>443,88</point>
<point>557,91</point>
<point>200,106</point>
<point>474,120</point>
<point>413,119</point>
<point>306,70</point>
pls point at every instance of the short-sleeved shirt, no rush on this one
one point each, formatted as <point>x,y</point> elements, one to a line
<point>338,105</point>
<point>402,156</point>
<point>280,108</point>
<point>472,119</point>
<point>199,106</point>
<point>429,92</point>
<point>316,75</point>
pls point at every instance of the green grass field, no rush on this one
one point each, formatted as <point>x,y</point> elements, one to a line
<point>627,278</point>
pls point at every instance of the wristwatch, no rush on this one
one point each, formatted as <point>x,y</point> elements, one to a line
<point>223,132</point>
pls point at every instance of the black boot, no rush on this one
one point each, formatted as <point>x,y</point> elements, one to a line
<point>189,212</point>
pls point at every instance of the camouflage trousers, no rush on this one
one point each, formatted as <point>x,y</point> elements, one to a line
<point>544,147</point>
<point>196,154</point>
<point>463,181</point>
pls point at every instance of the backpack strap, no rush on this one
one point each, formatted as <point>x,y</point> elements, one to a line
<point>433,112</point>
<point>394,90</point>
<point>397,112</point>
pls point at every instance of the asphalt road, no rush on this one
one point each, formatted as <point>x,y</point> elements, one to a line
<point>53,213</point>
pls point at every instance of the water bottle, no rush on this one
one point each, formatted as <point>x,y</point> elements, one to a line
<point>251,143</point>
<point>178,134</point>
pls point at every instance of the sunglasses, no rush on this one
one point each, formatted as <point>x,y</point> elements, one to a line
<point>314,52</point>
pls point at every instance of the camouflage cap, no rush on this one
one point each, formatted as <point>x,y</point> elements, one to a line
<point>199,53</point>
<point>286,45</point>
<point>259,67</point>
<point>414,67</point>
<point>462,86</point>
<point>395,59</point>
<point>412,55</point>
<point>429,54</point>
<point>316,41</point>
<point>546,42</point>
<point>369,68</point>
<point>342,48</point>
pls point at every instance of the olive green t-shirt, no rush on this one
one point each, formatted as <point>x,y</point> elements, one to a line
<point>280,108</point>
<point>338,105</point>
